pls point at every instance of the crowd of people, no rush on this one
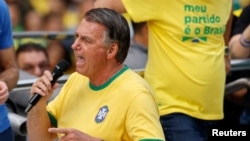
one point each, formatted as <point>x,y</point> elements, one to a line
<point>50,16</point>
<point>185,51</point>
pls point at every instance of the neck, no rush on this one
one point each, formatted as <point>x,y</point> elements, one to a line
<point>103,76</point>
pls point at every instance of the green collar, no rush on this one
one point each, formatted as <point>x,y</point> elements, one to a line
<point>96,88</point>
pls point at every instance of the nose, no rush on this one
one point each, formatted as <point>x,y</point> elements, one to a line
<point>75,44</point>
<point>38,71</point>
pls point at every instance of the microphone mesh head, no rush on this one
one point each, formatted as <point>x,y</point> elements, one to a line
<point>63,65</point>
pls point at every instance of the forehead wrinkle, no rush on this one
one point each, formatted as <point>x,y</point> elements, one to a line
<point>90,29</point>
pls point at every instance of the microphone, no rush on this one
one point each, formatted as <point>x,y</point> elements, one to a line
<point>57,72</point>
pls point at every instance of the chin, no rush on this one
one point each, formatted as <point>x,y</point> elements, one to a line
<point>80,71</point>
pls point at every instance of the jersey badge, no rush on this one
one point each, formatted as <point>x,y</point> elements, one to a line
<point>103,111</point>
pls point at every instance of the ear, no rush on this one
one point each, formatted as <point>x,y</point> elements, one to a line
<point>112,51</point>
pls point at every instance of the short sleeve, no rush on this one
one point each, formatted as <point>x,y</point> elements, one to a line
<point>143,119</point>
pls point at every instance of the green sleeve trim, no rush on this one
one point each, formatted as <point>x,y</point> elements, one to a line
<point>52,119</point>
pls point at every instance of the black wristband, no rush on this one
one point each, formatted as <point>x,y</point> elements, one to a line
<point>226,51</point>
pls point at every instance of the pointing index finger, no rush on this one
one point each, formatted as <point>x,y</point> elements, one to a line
<point>59,130</point>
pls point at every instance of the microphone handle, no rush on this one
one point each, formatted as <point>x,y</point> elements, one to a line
<point>33,100</point>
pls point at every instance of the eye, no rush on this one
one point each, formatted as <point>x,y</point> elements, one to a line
<point>86,40</point>
<point>76,35</point>
<point>44,66</point>
<point>28,68</point>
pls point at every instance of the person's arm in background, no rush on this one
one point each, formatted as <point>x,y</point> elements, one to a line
<point>240,45</point>
<point>227,39</point>
<point>237,50</point>
<point>112,4</point>
<point>8,66</point>
<point>9,70</point>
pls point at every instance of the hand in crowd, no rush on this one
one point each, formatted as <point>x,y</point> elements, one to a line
<point>4,92</point>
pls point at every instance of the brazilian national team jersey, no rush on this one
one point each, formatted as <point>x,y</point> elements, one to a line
<point>114,111</point>
<point>186,66</point>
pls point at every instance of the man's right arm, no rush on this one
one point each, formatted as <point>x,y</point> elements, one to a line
<point>38,123</point>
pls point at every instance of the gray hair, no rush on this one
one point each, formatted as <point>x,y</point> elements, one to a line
<point>117,29</point>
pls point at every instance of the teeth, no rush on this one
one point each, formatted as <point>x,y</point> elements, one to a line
<point>80,58</point>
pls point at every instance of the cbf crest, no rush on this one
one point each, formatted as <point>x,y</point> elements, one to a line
<point>103,111</point>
